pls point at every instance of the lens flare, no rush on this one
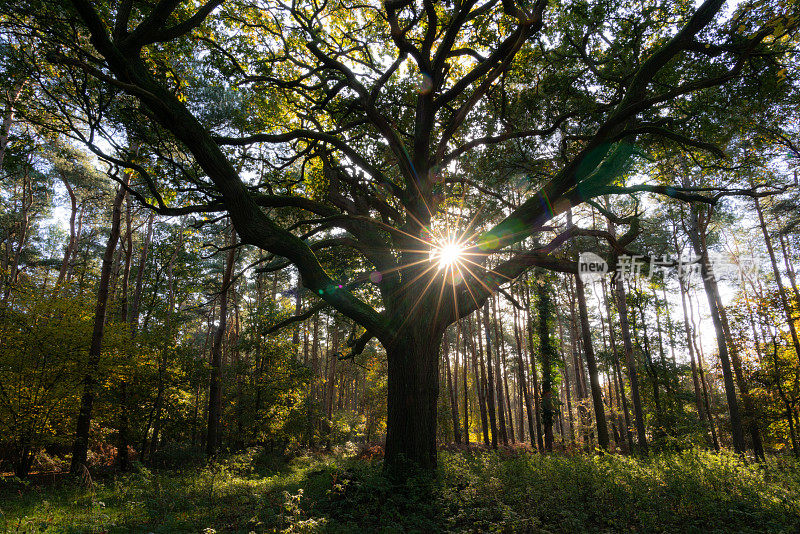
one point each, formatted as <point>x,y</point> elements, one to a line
<point>449,255</point>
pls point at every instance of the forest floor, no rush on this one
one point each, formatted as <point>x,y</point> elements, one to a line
<point>509,491</point>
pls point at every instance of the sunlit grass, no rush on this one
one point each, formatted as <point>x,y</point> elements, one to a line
<point>476,491</point>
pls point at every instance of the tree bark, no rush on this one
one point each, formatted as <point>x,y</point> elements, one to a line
<point>123,438</point>
<point>70,249</point>
<point>546,351</point>
<point>776,272</point>
<point>502,370</point>
<point>741,381</point>
<point>566,385</point>
<point>8,120</point>
<point>490,388</point>
<point>650,367</point>
<point>80,446</point>
<point>698,395</point>
<point>215,387</point>
<point>413,390</point>
<point>498,375</point>
<point>451,393</point>
<point>523,383</point>
<point>480,380</point>
<point>712,296</point>
<point>163,360</point>
<point>534,378</point>
<point>612,340</point>
<point>591,362</point>
<point>137,292</point>
<point>464,367</point>
<point>630,360</point>
<point>577,365</point>
<point>698,350</point>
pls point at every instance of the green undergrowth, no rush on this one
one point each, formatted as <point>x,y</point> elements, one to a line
<point>508,491</point>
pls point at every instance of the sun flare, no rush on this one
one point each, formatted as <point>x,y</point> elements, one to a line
<point>448,255</point>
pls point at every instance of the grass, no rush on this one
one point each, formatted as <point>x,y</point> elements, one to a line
<point>508,491</point>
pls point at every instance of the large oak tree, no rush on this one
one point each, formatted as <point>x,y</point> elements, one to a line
<point>362,120</point>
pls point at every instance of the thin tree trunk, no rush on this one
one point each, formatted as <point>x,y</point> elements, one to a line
<point>523,383</point>
<point>465,389</point>
<point>781,291</point>
<point>158,405</point>
<point>80,446</point>
<point>490,387</point>
<point>712,296</point>
<point>661,357</point>
<point>741,381</point>
<point>451,393</point>
<point>330,383</point>
<point>698,395</point>
<point>617,370</point>
<point>566,384</point>
<point>787,404</point>
<point>546,352</point>
<point>504,400</point>
<point>577,366</point>
<point>215,388</point>
<point>789,267</point>
<point>122,445</point>
<point>660,430</point>
<point>480,379</point>
<point>701,370</point>
<point>72,244</point>
<point>591,362</point>
<point>8,120</point>
<point>137,292</point>
<point>630,361</point>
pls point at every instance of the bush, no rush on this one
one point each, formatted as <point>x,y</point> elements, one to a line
<point>473,491</point>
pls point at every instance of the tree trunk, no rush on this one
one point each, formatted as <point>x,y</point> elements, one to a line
<point>523,383</point>
<point>566,385</point>
<point>296,332</point>
<point>464,377</point>
<point>661,357</point>
<point>451,393</point>
<point>741,381</point>
<point>546,351</point>
<point>498,375</point>
<point>80,446</point>
<point>660,430</point>
<point>8,120</point>
<point>480,380</point>
<point>413,391</point>
<point>630,361</point>
<point>612,340</point>
<point>786,402</point>
<point>70,249</point>
<point>698,395</point>
<point>781,291</point>
<point>137,292</point>
<point>215,387</point>
<point>163,361</point>
<point>123,439</point>
<point>712,296</point>
<point>577,367</point>
<point>534,377</point>
<point>26,203</point>
<point>789,267</point>
<point>591,362</point>
<point>502,370</point>
<point>701,370</point>
<point>490,388</point>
